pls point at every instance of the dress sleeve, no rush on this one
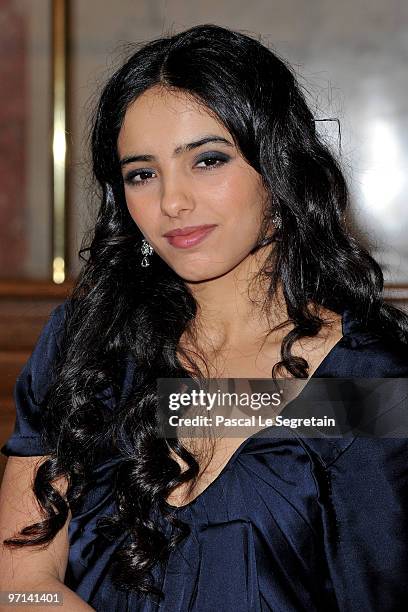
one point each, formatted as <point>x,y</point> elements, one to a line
<point>366,525</point>
<point>30,389</point>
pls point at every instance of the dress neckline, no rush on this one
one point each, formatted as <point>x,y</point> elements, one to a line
<point>348,324</point>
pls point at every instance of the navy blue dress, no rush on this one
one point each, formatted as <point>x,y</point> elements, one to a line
<point>290,524</point>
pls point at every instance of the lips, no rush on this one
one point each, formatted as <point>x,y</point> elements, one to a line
<point>187,237</point>
<point>184,231</point>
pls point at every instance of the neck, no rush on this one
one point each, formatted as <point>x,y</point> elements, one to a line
<point>230,307</point>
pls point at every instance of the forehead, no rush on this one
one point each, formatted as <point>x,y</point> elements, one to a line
<point>162,117</point>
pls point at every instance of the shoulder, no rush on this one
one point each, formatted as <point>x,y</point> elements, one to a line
<point>50,336</point>
<point>37,372</point>
<point>369,356</point>
<point>366,354</point>
<point>58,317</point>
<point>31,387</point>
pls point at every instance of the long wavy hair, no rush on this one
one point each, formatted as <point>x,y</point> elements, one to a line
<point>120,310</point>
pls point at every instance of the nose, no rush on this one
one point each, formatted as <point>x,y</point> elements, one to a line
<point>176,196</point>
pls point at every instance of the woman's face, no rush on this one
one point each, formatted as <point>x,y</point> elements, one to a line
<point>173,182</point>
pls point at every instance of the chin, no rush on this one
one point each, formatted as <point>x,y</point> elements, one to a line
<point>196,276</point>
<point>201,273</point>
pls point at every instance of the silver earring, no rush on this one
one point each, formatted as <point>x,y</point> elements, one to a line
<point>109,194</point>
<point>277,220</point>
<point>146,250</point>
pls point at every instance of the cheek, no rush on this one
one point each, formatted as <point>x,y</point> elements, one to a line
<point>137,210</point>
<point>245,204</point>
<point>242,190</point>
<point>229,199</point>
<point>134,211</point>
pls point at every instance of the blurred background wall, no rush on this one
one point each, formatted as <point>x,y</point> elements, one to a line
<point>350,57</point>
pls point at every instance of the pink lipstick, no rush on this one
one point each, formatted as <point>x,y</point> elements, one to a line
<point>186,237</point>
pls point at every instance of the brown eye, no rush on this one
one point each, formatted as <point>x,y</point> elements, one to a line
<point>138,177</point>
<point>216,159</point>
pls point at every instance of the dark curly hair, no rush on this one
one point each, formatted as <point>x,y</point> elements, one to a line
<point>116,312</point>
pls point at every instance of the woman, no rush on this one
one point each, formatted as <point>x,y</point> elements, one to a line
<point>207,129</point>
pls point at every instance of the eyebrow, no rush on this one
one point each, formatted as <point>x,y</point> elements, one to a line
<point>188,146</point>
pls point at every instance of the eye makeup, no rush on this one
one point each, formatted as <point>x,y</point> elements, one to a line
<point>216,157</point>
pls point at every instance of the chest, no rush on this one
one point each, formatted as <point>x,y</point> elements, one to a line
<point>244,363</point>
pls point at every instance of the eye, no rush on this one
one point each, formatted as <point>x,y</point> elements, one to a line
<point>142,176</point>
<point>132,177</point>
<point>215,159</point>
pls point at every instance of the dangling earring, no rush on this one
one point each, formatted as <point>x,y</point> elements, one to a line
<point>146,250</point>
<point>277,220</point>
